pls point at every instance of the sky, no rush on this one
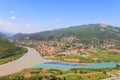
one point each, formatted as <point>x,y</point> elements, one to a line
<point>29,16</point>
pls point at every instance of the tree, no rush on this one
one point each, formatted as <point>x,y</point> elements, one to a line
<point>64,78</point>
<point>104,72</point>
<point>75,72</point>
<point>61,72</point>
<point>117,66</point>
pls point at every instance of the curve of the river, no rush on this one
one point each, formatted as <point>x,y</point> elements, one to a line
<point>31,58</point>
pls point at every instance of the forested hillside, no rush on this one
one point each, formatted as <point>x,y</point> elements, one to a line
<point>9,51</point>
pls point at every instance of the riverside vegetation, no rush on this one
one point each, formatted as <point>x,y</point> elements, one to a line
<point>9,51</point>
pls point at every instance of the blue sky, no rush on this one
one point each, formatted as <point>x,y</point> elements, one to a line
<point>29,16</point>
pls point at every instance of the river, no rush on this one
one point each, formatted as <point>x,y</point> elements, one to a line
<point>31,58</point>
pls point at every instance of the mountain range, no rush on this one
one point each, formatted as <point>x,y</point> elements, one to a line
<point>90,34</point>
<point>90,31</point>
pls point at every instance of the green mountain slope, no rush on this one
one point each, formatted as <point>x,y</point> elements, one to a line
<point>9,51</point>
<point>91,34</point>
<point>99,31</point>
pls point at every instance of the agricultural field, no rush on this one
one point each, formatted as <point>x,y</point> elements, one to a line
<point>94,55</point>
<point>54,74</point>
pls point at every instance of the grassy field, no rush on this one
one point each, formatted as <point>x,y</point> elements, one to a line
<point>97,76</point>
<point>94,55</point>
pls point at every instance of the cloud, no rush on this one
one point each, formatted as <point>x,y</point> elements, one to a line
<point>12,12</point>
<point>12,17</point>
<point>10,27</point>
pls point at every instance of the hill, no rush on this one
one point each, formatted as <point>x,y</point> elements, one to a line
<point>91,34</point>
<point>9,51</point>
<point>99,31</point>
<point>80,44</point>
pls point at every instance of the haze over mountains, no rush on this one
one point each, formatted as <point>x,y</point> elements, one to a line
<point>2,34</point>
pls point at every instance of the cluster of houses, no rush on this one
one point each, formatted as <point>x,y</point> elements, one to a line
<point>67,45</point>
<point>63,47</point>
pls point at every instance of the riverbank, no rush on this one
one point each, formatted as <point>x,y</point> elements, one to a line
<point>31,58</point>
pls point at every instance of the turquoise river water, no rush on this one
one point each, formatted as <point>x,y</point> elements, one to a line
<point>67,66</point>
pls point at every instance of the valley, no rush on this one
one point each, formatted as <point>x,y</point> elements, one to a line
<point>79,45</point>
<point>59,39</point>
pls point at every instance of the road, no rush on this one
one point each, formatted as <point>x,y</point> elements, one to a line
<point>31,58</point>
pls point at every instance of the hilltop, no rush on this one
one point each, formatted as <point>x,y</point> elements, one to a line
<point>98,31</point>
